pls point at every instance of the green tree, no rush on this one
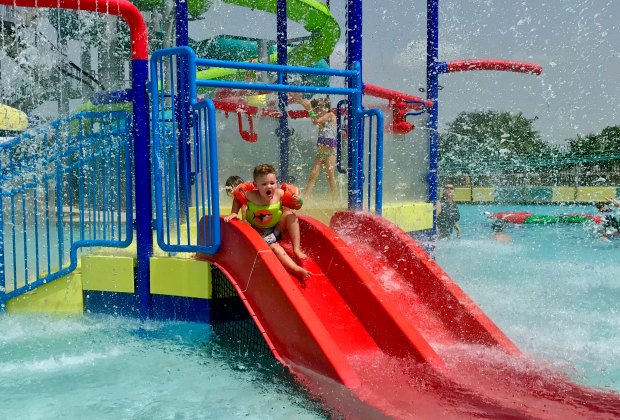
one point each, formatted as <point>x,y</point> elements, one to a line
<point>607,142</point>
<point>476,141</point>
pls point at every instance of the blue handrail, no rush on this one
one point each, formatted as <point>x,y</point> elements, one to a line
<point>173,222</point>
<point>339,130</point>
<point>68,186</point>
<point>378,161</point>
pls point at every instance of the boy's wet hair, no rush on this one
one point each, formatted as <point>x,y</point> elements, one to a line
<point>264,169</point>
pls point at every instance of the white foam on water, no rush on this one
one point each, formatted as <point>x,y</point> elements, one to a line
<point>58,363</point>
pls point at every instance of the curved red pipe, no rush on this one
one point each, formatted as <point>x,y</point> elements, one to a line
<point>121,8</point>
<point>498,65</point>
<point>394,95</point>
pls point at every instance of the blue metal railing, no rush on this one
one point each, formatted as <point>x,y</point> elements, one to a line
<point>64,186</point>
<point>373,119</point>
<point>175,220</point>
<point>182,157</point>
<point>341,127</point>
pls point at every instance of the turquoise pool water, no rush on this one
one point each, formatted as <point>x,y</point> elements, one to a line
<point>101,367</point>
<point>554,290</point>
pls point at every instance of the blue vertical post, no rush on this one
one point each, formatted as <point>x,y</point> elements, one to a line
<point>142,165</point>
<point>354,55</point>
<point>182,109</point>
<point>433,69</point>
<point>282,45</point>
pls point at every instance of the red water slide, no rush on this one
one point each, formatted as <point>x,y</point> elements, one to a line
<point>340,311</point>
<point>380,329</point>
<point>420,288</point>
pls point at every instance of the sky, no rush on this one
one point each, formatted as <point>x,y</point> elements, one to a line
<point>576,41</point>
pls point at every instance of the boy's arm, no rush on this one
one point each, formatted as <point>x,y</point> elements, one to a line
<point>234,212</point>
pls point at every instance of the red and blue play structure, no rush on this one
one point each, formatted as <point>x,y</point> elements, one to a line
<point>379,329</point>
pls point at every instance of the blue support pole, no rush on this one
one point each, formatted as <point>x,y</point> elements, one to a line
<point>182,110</point>
<point>354,55</point>
<point>432,93</point>
<point>283,131</point>
<point>142,165</point>
<point>434,68</point>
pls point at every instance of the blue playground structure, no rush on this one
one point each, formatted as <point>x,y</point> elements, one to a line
<point>125,205</point>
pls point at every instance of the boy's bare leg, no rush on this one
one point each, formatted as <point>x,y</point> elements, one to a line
<point>291,225</point>
<point>288,262</point>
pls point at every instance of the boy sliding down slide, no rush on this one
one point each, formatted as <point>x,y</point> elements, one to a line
<point>266,214</point>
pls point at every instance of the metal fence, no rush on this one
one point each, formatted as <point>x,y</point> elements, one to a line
<point>65,186</point>
<point>579,175</point>
<point>184,162</point>
<point>184,146</point>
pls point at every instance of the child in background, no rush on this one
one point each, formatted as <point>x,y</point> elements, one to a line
<point>266,214</point>
<point>610,224</point>
<point>498,231</point>
<point>323,116</point>
<point>230,185</point>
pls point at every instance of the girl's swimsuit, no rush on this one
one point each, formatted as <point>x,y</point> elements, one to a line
<point>265,219</point>
<point>327,136</point>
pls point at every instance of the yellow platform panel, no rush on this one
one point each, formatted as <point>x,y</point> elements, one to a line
<point>587,194</point>
<point>462,195</point>
<point>12,119</point>
<point>563,194</point>
<point>322,214</point>
<point>108,273</point>
<point>410,217</point>
<point>173,276</point>
<point>483,195</point>
<point>61,296</point>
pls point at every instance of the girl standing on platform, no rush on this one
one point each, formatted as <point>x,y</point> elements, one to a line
<point>322,116</point>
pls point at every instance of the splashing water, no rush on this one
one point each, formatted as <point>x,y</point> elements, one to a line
<point>553,290</point>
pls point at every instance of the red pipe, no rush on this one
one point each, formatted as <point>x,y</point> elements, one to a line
<point>122,8</point>
<point>498,65</point>
<point>393,95</point>
<point>253,110</point>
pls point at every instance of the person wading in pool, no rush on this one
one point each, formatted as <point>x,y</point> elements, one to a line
<point>448,215</point>
<point>610,224</point>
<point>498,231</point>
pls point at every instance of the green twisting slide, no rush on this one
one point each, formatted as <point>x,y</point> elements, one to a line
<point>316,19</point>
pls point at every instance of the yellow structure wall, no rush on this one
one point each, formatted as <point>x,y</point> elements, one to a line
<point>462,194</point>
<point>181,277</point>
<point>410,216</point>
<point>61,296</point>
<point>108,273</point>
<point>483,194</point>
<point>563,194</point>
<point>585,194</point>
